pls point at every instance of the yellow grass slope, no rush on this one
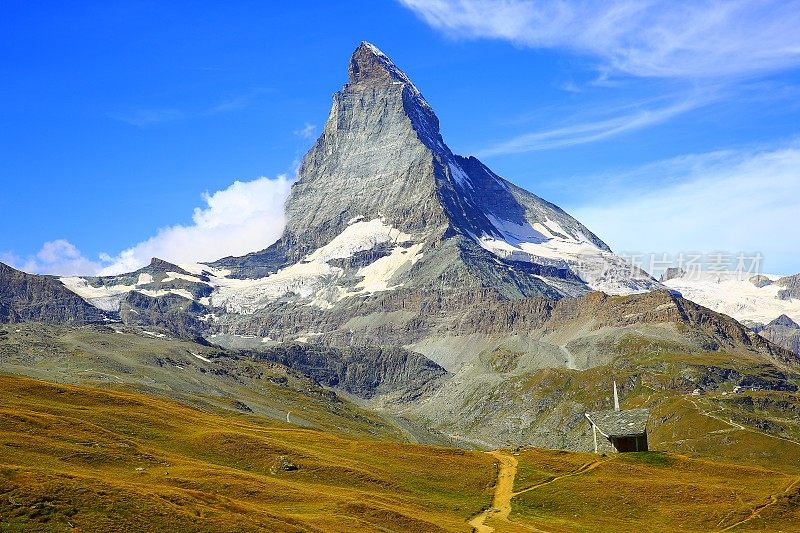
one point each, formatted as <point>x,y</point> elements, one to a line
<point>565,492</point>
<point>76,458</point>
<point>98,460</point>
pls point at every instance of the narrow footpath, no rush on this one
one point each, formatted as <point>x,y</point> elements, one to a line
<point>504,492</point>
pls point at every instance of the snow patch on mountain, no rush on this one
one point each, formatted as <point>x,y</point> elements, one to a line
<point>358,237</point>
<point>733,294</point>
<point>516,234</point>
<point>315,279</point>
<point>155,294</point>
<point>549,244</point>
<point>107,298</point>
<point>172,276</point>
<point>246,296</point>
<point>378,274</point>
<point>461,177</point>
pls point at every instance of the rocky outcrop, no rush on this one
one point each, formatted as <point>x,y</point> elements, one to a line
<point>672,273</point>
<point>180,316</point>
<point>791,286</point>
<point>363,371</point>
<point>760,280</point>
<point>784,332</point>
<point>28,297</point>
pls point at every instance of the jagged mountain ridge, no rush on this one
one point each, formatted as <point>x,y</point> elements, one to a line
<point>382,214</point>
<point>381,161</point>
<point>394,241</point>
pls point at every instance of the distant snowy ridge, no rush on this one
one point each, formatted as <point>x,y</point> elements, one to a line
<point>104,297</point>
<point>738,295</point>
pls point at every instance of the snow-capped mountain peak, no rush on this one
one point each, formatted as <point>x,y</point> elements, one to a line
<point>381,204</point>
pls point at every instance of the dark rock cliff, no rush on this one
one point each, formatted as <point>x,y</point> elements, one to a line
<point>28,297</point>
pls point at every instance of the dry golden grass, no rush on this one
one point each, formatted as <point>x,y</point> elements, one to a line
<point>86,459</point>
<point>651,491</point>
<point>98,460</point>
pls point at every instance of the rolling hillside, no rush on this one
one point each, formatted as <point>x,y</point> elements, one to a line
<point>85,459</point>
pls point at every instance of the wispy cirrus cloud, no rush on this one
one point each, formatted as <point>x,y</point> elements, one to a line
<point>146,117</point>
<point>583,132</point>
<point>646,38</point>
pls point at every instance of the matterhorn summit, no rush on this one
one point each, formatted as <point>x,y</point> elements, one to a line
<point>383,218</point>
<point>381,203</point>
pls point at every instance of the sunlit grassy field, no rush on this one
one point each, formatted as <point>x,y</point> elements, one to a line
<point>126,458</point>
<point>78,458</point>
<point>99,460</point>
<point>649,491</point>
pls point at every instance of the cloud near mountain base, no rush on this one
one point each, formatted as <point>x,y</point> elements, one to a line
<point>245,217</point>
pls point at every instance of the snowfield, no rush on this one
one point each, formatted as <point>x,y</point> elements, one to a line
<point>549,244</point>
<point>315,279</point>
<point>733,294</point>
<point>107,298</point>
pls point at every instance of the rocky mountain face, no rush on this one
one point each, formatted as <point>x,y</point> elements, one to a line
<point>790,287</point>
<point>394,373</point>
<point>784,332</point>
<point>26,297</point>
<point>382,202</point>
<point>411,276</point>
<point>385,222</point>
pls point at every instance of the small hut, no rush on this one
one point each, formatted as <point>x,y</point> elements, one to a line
<point>623,431</point>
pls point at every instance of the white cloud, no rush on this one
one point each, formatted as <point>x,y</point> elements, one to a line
<point>55,257</point>
<point>589,131</point>
<point>735,202</point>
<point>308,131</point>
<point>246,217</point>
<point>702,38</point>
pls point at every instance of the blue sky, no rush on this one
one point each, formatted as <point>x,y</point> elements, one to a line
<point>130,129</point>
